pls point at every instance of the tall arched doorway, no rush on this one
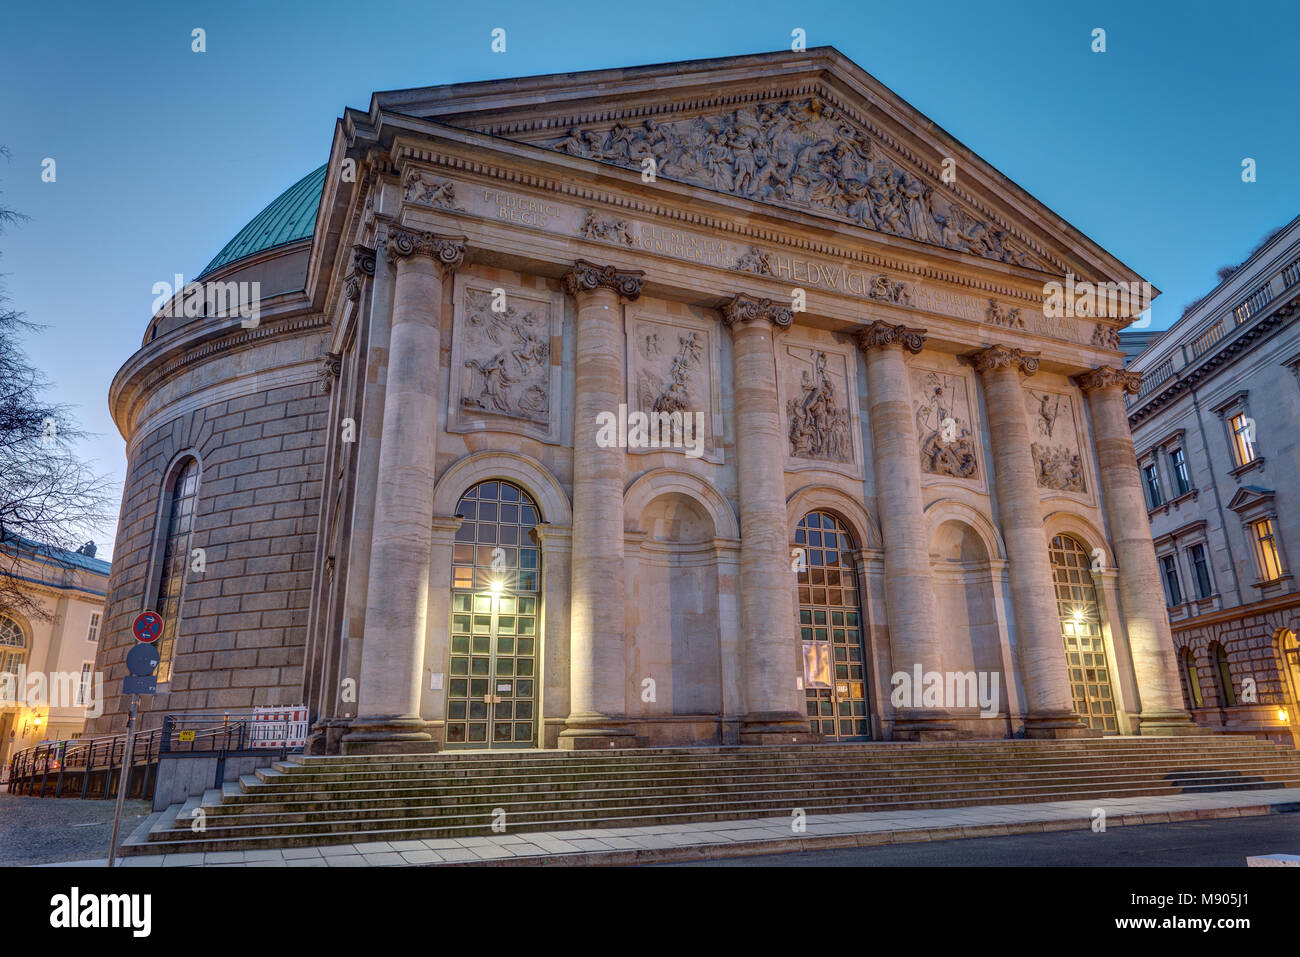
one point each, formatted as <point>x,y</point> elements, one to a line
<point>830,627</point>
<point>1085,648</point>
<point>1288,649</point>
<point>495,607</point>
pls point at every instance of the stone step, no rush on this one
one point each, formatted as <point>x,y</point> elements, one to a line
<point>782,798</point>
<point>652,784</point>
<point>366,831</point>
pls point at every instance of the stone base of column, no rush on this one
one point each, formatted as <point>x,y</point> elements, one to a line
<point>777,727</point>
<point>595,732</point>
<point>1163,724</point>
<point>925,726</point>
<point>388,734</point>
<point>326,734</point>
<point>1058,724</point>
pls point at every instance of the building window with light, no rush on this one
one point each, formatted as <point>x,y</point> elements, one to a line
<point>13,646</point>
<point>1152,480</point>
<point>1169,571</point>
<point>1222,676</point>
<point>1182,480</point>
<point>1243,441</point>
<point>1200,570</point>
<point>1191,681</point>
<point>1267,561</point>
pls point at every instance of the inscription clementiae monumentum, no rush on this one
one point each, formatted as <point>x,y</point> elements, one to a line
<point>799,153</point>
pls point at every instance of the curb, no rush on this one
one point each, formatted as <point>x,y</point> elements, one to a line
<point>706,852</point>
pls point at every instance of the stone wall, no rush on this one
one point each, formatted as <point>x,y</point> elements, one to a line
<point>242,630</point>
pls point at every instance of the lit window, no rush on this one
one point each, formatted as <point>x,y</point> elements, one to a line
<point>1243,442</point>
<point>1173,591</point>
<point>1200,571</point>
<point>1153,486</point>
<point>1266,557</point>
<point>93,633</point>
<point>1223,675</point>
<point>1182,481</point>
<point>1191,682</point>
<point>13,647</point>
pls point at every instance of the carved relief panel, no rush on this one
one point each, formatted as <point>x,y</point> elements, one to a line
<point>819,400</point>
<point>505,361</point>
<point>1054,440</point>
<point>945,430</point>
<point>673,375</point>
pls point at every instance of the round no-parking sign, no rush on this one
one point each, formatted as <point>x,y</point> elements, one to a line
<point>147,626</point>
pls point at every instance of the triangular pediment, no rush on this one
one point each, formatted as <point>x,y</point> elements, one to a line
<point>808,131</point>
<point>1249,496</point>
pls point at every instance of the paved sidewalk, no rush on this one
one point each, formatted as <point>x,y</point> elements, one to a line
<point>716,839</point>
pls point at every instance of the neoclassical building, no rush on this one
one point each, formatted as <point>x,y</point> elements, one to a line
<point>1214,425</point>
<point>690,403</point>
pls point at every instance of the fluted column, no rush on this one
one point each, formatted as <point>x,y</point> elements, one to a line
<point>597,607</point>
<point>392,651</point>
<point>774,705</point>
<point>909,593</point>
<point>1141,597</point>
<point>1040,648</point>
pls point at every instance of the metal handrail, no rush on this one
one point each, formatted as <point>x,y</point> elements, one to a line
<point>106,753</point>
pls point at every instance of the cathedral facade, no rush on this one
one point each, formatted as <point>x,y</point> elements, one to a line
<point>712,402</point>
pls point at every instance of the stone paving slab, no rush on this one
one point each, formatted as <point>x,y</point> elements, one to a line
<point>663,843</point>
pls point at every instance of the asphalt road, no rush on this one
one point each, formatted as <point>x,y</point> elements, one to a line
<point>1221,843</point>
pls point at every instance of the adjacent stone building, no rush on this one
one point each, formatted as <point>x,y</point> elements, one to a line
<point>678,404</point>
<point>48,645</point>
<point>1215,427</point>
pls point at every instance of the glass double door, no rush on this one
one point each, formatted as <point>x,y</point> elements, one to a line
<point>492,687</point>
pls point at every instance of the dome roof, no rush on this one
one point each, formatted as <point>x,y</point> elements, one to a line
<point>290,216</point>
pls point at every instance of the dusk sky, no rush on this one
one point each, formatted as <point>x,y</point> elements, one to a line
<point>163,154</point>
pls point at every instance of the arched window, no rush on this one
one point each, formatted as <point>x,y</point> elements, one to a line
<point>1085,648</point>
<point>13,646</point>
<point>175,544</point>
<point>1222,676</point>
<point>1289,649</point>
<point>830,628</point>
<point>1191,681</point>
<point>495,610</point>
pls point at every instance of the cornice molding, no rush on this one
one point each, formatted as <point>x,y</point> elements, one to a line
<point>750,234</point>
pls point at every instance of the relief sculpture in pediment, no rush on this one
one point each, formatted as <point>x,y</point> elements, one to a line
<point>800,153</point>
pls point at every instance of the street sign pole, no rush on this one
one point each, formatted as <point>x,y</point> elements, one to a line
<point>124,780</point>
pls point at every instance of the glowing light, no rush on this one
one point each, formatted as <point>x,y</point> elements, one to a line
<point>495,586</point>
<point>1281,714</point>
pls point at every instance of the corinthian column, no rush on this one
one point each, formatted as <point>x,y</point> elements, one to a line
<point>1039,645</point>
<point>597,606</point>
<point>392,650</point>
<point>1149,638</point>
<point>774,705</point>
<point>909,594</point>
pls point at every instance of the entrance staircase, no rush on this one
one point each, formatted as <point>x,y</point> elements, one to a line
<point>306,801</point>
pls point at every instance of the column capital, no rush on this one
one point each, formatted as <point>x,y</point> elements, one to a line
<point>1002,357</point>
<point>1109,377</point>
<point>881,334</point>
<point>743,308</point>
<point>447,251</point>
<point>587,276</point>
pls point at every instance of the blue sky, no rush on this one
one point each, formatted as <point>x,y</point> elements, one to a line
<point>163,154</point>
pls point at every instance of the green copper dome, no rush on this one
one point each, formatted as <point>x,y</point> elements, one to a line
<point>290,217</point>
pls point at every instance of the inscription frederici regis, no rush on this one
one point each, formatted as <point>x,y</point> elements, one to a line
<point>630,234</point>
